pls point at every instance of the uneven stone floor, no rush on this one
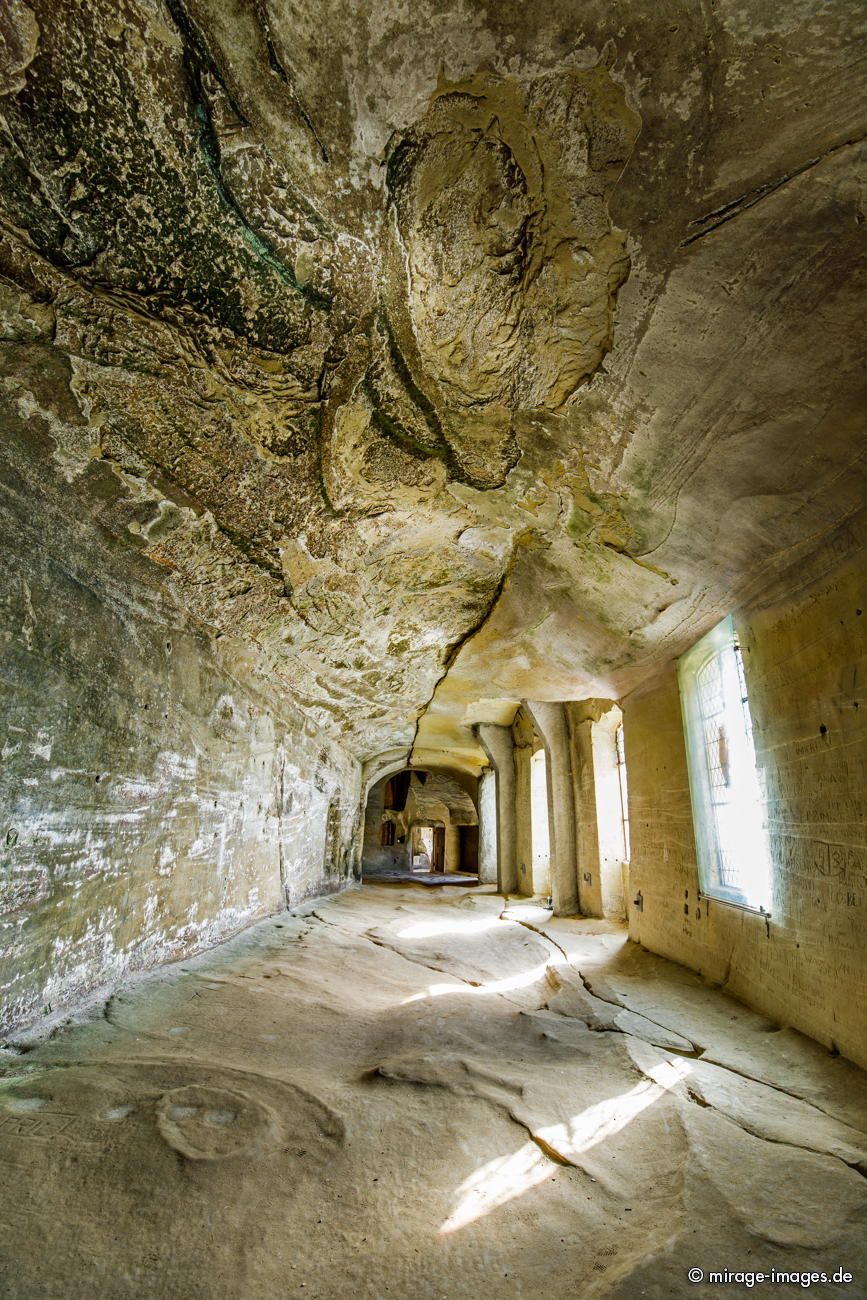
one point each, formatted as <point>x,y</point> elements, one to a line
<point>405,1093</point>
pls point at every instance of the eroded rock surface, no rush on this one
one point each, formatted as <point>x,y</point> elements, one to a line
<point>325,313</point>
<point>373,1096</point>
<point>368,371</point>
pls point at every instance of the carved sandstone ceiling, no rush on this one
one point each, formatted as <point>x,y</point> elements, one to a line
<point>441,357</point>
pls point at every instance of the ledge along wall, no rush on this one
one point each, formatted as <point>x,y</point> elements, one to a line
<point>153,800</point>
<point>806,667</point>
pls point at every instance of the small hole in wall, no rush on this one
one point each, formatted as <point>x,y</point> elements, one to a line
<point>823,730</point>
<point>858,612</point>
<point>97,778</point>
<point>169,646</point>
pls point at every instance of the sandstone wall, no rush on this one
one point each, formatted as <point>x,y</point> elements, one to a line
<point>806,665</point>
<point>588,865</point>
<point>374,856</point>
<point>153,799</point>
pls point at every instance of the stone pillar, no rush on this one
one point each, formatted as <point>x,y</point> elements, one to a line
<point>586,824</point>
<point>488,827</point>
<point>523,819</point>
<point>550,722</point>
<point>453,850</point>
<point>598,811</point>
<point>499,746</point>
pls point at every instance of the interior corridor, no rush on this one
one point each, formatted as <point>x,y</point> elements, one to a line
<point>422,1093</point>
<point>433,649</point>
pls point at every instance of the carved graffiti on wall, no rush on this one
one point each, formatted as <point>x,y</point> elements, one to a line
<point>838,862</point>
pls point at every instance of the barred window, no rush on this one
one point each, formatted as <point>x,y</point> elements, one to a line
<point>624,795</point>
<point>728,810</point>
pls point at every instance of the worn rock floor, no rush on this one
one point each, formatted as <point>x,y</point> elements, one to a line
<point>405,1093</point>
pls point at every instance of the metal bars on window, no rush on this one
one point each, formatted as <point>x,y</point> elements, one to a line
<point>621,779</point>
<point>728,810</point>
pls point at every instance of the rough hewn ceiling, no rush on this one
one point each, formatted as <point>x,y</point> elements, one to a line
<point>442,356</point>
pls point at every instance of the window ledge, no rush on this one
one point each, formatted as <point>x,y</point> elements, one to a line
<point>732,902</point>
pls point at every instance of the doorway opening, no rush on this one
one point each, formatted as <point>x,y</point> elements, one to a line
<point>422,822</point>
<point>428,848</point>
<point>539,829</point>
<point>612,811</point>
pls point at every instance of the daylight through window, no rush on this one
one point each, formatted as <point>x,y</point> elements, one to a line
<point>728,809</point>
<point>624,799</point>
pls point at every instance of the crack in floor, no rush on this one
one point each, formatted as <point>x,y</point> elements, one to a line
<point>696,1053</point>
<point>390,947</point>
<point>856,1166</point>
<point>621,1006</point>
<point>557,1157</point>
<point>624,1115</point>
<point>775,1087</point>
<point>528,925</point>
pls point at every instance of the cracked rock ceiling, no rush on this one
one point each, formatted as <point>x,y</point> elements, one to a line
<point>441,357</point>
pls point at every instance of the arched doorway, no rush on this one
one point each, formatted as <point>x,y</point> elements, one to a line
<point>420,814</point>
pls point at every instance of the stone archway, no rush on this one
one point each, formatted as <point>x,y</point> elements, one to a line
<point>425,797</point>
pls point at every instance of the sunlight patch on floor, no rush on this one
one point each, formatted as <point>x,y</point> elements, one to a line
<point>433,929</point>
<point>507,1177</point>
<point>533,912</point>
<point>521,981</point>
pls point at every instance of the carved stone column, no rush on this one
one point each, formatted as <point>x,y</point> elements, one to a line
<point>488,836</point>
<point>550,722</point>
<point>499,746</point>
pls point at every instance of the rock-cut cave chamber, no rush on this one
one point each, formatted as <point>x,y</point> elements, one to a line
<point>434,832</point>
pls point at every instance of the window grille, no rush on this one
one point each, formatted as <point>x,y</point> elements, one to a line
<point>624,798</point>
<point>728,810</point>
